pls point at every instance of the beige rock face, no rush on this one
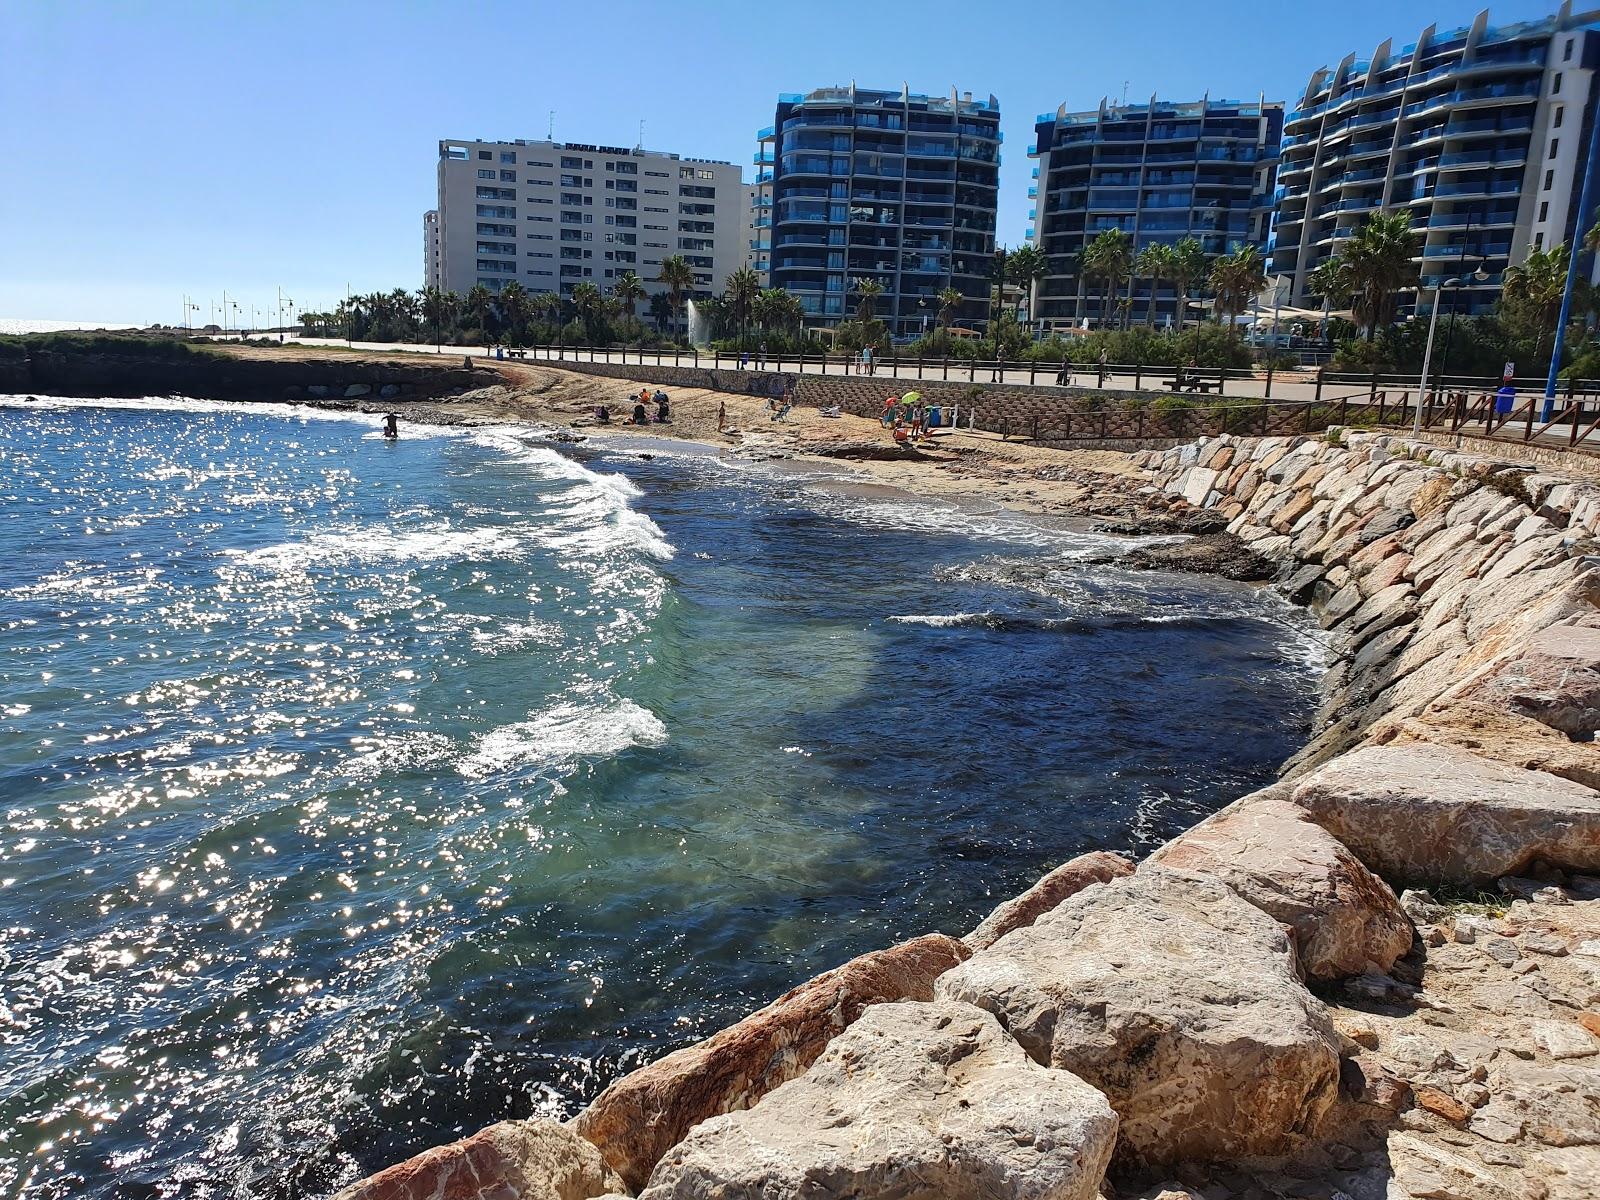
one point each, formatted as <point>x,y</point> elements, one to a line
<point>1506,737</point>
<point>930,1101</point>
<point>1270,852</point>
<point>514,1160</point>
<point>1070,878</point>
<point>1424,813</point>
<point>642,1115</point>
<point>1556,680</point>
<point>1178,1000</point>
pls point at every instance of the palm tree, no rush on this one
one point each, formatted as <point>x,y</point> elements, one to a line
<point>587,306</point>
<point>628,290</point>
<point>514,305</point>
<point>1026,266</point>
<point>1531,297</point>
<point>1189,266</point>
<point>479,305</point>
<point>744,285</point>
<point>1108,258</point>
<point>678,275</point>
<point>1236,278</point>
<point>950,300</point>
<point>438,309</point>
<point>869,290</point>
<point>1329,279</point>
<point>1378,264</point>
<point>1155,263</point>
<point>661,310</point>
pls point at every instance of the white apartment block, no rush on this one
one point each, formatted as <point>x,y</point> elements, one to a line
<point>430,248</point>
<point>552,215</point>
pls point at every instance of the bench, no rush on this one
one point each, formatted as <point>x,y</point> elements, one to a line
<point>1191,385</point>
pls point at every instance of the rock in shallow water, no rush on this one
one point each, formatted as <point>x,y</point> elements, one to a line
<point>644,1114</point>
<point>914,1100</point>
<point>1178,1000</point>
<point>1271,853</point>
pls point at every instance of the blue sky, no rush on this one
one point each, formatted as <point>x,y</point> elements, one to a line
<point>155,149</point>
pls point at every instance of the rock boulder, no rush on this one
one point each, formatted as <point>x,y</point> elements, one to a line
<point>1180,1002</point>
<point>1425,813</point>
<point>528,1160</point>
<point>914,1100</point>
<point>1070,878</point>
<point>1270,852</point>
<point>645,1113</point>
<point>1555,680</point>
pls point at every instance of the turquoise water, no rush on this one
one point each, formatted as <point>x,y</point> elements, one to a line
<point>356,794</point>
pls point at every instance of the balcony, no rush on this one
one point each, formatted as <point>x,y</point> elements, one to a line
<point>763,157</point>
<point>1479,158</point>
<point>1495,250</point>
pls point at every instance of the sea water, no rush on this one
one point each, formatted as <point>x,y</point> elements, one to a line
<point>355,794</point>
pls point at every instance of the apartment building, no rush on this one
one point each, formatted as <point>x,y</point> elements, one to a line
<point>1161,172</point>
<point>1480,133</point>
<point>430,248</point>
<point>758,234</point>
<point>855,183</point>
<point>551,215</point>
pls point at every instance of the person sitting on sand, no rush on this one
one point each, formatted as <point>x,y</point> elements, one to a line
<point>603,415</point>
<point>663,410</point>
<point>641,415</point>
<point>889,406</point>
<point>901,434</point>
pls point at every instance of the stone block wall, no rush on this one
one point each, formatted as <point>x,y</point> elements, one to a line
<point>1425,563</point>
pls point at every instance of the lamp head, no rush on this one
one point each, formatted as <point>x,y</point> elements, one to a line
<point>1480,276</point>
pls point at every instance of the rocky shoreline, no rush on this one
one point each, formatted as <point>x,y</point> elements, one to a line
<point>1258,1009</point>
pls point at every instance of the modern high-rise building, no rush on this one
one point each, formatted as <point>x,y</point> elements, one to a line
<point>430,248</point>
<point>1161,172</point>
<point>552,215</point>
<point>884,185</point>
<point>758,232</point>
<point>1480,133</point>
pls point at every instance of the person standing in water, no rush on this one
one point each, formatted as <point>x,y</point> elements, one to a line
<point>391,426</point>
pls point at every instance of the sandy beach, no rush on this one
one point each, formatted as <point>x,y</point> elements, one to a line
<point>955,464</point>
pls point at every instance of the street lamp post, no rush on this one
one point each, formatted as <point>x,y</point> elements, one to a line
<point>1427,354</point>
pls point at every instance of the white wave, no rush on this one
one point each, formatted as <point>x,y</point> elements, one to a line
<point>940,620</point>
<point>378,544</point>
<point>562,734</point>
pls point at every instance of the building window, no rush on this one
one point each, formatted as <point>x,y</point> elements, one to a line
<point>485,156</point>
<point>1538,241</point>
<point>1544,211</point>
<point>1555,145</point>
<point>1566,55</point>
<point>1555,84</point>
<point>485,173</point>
<point>1549,179</point>
<point>508,176</point>
<point>508,156</point>
<point>570,163</point>
<point>1555,121</point>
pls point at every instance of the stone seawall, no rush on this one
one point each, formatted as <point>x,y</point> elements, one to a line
<point>1056,413</point>
<point>1181,1018</point>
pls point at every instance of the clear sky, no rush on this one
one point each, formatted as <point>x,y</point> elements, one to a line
<point>150,149</point>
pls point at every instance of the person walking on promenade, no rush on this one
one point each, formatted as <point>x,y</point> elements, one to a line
<point>744,359</point>
<point>763,359</point>
<point>866,360</point>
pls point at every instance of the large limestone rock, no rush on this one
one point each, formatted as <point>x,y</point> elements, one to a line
<point>1506,737</point>
<point>1342,918</point>
<point>1554,680</point>
<point>1070,878</point>
<point>1180,1002</point>
<point>644,1114</point>
<point>514,1160</point>
<point>1426,814</point>
<point>914,1100</point>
